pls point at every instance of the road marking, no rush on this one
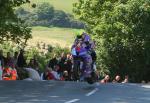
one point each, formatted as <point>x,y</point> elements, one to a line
<point>54,96</point>
<point>92,92</point>
<point>72,101</point>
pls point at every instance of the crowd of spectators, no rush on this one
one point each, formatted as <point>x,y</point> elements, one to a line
<point>58,68</point>
<point>117,79</point>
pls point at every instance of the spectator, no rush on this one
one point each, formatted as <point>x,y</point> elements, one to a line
<point>21,62</point>
<point>68,65</point>
<point>117,79</point>
<point>10,73</point>
<point>143,81</point>
<point>7,73</point>
<point>14,75</point>
<point>15,58</point>
<point>57,67</point>
<point>2,58</point>
<point>33,74</point>
<point>45,74</point>
<point>53,62</point>
<point>55,73</point>
<point>126,80</point>
<point>106,79</point>
<point>9,60</point>
<point>62,63</point>
<point>48,75</point>
<point>31,63</point>
<point>65,76</point>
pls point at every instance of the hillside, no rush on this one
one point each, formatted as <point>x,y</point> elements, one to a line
<point>54,36</point>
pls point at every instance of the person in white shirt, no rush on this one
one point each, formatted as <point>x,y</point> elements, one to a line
<point>55,73</point>
<point>126,80</point>
<point>33,74</point>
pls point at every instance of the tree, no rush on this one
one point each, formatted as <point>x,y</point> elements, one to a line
<point>45,11</point>
<point>61,19</point>
<point>29,17</point>
<point>11,27</point>
<point>121,29</point>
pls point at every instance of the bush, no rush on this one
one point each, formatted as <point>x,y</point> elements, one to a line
<point>9,47</point>
<point>44,58</point>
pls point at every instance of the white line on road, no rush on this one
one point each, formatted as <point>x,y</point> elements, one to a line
<point>72,101</point>
<point>92,92</point>
<point>54,96</point>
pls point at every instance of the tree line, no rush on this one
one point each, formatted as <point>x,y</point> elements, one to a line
<point>121,29</point>
<point>44,14</point>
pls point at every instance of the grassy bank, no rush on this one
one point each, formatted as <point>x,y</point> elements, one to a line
<point>54,36</point>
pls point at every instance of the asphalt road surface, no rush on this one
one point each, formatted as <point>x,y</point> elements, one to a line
<point>72,92</point>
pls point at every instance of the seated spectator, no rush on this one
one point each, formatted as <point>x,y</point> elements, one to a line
<point>10,74</point>
<point>31,63</point>
<point>55,73</point>
<point>117,79</point>
<point>106,79</point>
<point>33,74</point>
<point>53,62</point>
<point>7,73</point>
<point>143,81</point>
<point>48,75</point>
<point>126,80</point>
<point>14,74</point>
<point>34,64</point>
<point>65,76</point>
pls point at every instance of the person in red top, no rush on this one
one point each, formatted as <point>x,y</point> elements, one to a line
<point>7,73</point>
<point>48,75</point>
<point>13,74</point>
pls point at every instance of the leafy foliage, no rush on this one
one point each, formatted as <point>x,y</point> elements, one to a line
<point>11,27</point>
<point>122,31</point>
<point>45,11</point>
<point>30,53</point>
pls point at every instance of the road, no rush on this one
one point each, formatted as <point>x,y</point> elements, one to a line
<point>72,92</point>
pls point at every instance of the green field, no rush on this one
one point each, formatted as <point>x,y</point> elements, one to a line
<point>54,36</point>
<point>65,5</point>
